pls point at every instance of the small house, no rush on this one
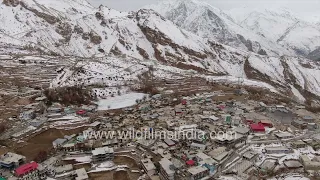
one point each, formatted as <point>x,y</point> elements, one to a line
<point>197,146</point>
<point>266,123</point>
<point>299,144</point>
<point>284,135</point>
<point>299,124</point>
<point>257,128</point>
<point>308,119</point>
<point>58,142</point>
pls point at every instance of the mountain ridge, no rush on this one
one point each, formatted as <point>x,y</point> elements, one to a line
<point>85,31</point>
<point>256,31</point>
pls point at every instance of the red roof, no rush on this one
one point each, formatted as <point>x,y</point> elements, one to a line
<point>190,162</point>
<point>257,127</point>
<point>24,169</point>
<point>266,123</point>
<point>81,112</point>
<point>183,102</point>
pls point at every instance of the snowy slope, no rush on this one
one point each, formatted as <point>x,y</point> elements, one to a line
<point>209,22</point>
<point>274,32</point>
<point>280,26</point>
<point>130,41</point>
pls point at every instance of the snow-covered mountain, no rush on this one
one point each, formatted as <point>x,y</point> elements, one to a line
<point>271,32</point>
<point>281,26</point>
<point>209,22</point>
<point>75,28</point>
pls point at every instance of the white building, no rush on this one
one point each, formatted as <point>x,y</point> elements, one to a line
<point>11,160</point>
<point>167,171</point>
<point>102,154</point>
<point>198,172</point>
<point>148,167</point>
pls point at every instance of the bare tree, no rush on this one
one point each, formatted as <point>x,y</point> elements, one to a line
<point>146,81</point>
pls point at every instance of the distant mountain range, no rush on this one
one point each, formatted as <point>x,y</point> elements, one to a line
<point>272,32</point>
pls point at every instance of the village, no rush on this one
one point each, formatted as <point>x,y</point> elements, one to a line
<point>257,140</point>
<point>189,128</point>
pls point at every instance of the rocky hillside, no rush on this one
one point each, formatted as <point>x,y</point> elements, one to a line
<point>75,28</point>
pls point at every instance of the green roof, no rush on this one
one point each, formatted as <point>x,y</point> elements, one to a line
<point>2,178</point>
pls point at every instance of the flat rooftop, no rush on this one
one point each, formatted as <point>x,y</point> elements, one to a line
<point>166,164</point>
<point>11,157</point>
<point>102,150</point>
<point>196,170</point>
<point>148,164</point>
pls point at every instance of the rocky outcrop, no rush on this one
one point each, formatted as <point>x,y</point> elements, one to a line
<point>99,15</point>
<point>49,18</point>
<point>157,37</point>
<point>315,55</point>
<point>253,73</point>
<point>143,53</point>
<point>65,30</point>
<point>78,29</point>
<point>12,3</point>
<point>247,43</point>
<point>95,38</point>
<point>262,52</point>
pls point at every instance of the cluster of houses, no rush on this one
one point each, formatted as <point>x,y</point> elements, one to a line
<point>222,135</point>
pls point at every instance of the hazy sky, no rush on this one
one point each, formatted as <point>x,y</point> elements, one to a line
<point>303,6</point>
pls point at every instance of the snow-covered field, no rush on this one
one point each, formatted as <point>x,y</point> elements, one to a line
<point>121,101</point>
<point>248,82</point>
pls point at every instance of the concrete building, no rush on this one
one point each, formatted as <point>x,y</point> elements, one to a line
<point>312,126</point>
<point>242,130</point>
<point>169,142</point>
<point>249,155</point>
<point>148,167</point>
<point>308,119</point>
<point>58,143</point>
<point>81,174</point>
<point>197,146</point>
<point>206,161</point>
<point>299,124</point>
<point>219,154</point>
<point>299,144</point>
<point>167,171</point>
<point>284,135</point>
<point>102,154</point>
<point>242,166</point>
<point>198,172</point>
<point>11,160</point>
<point>63,168</point>
<point>292,164</point>
<point>277,150</point>
<point>309,164</point>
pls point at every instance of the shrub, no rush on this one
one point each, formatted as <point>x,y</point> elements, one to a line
<point>69,95</point>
